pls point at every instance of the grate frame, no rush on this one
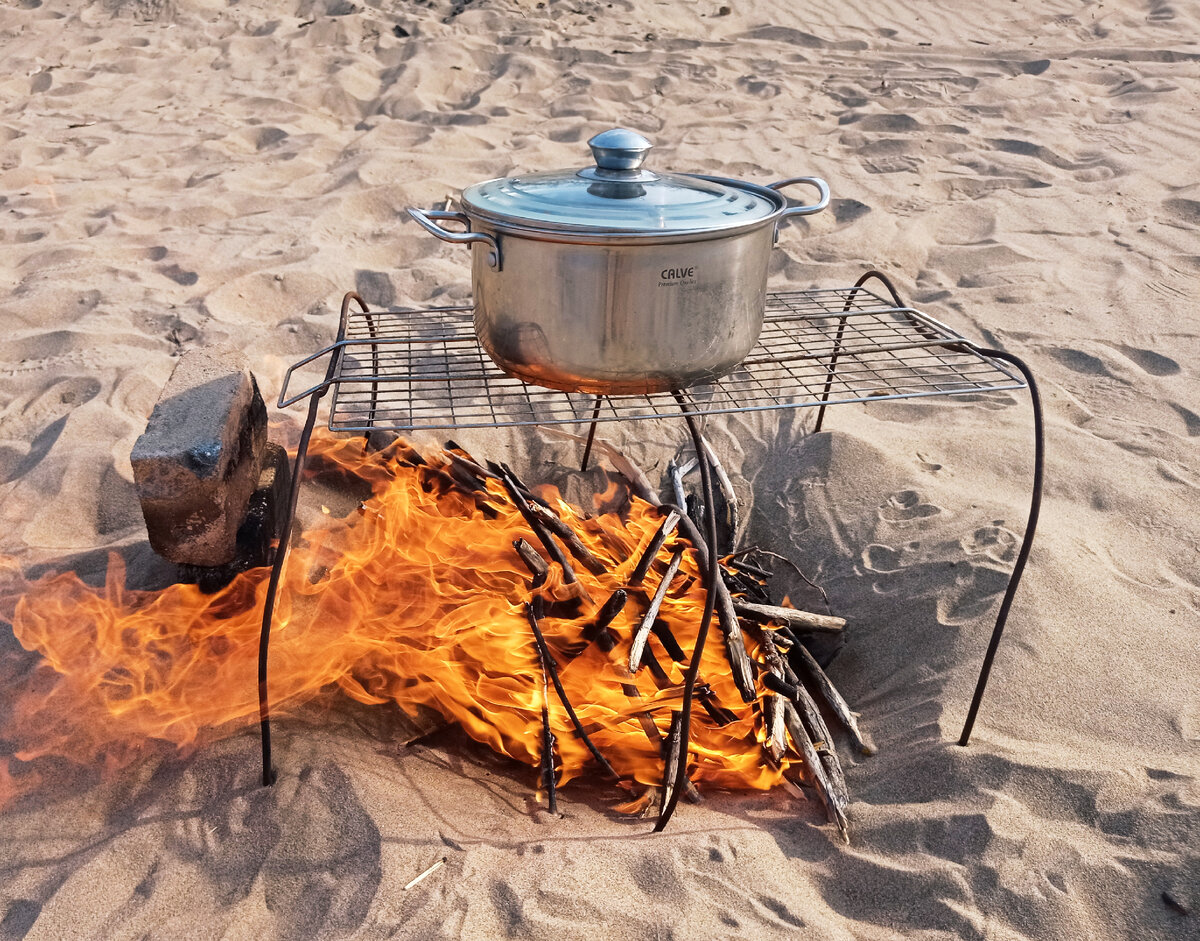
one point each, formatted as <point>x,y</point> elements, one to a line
<point>412,369</point>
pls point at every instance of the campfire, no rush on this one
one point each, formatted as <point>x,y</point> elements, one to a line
<point>558,637</point>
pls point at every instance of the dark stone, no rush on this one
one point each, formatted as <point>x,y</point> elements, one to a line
<point>198,461</point>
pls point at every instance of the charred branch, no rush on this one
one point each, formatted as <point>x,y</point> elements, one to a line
<point>549,666</point>
<point>670,754</point>
<point>735,643</point>
<point>667,639</point>
<point>661,679</point>
<point>548,544</point>
<point>555,524</point>
<point>712,705</point>
<point>665,528</point>
<point>538,567</point>
<point>598,629</point>
<point>548,741</point>
<point>548,779</point>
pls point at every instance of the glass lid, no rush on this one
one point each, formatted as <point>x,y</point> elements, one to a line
<point>618,195</point>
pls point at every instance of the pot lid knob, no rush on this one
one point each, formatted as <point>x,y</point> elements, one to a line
<point>619,149</point>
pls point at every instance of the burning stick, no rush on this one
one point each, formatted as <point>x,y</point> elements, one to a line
<point>773,719</point>
<point>550,667</point>
<point>629,688</point>
<point>583,555</point>
<point>665,528</point>
<point>548,739</point>
<point>735,644</point>
<point>598,630</point>
<point>538,567</point>
<point>750,587</point>
<point>643,632</point>
<point>539,531</point>
<point>834,808</point>
<point>818,731</point>
<point>792,617</point>
<point>670,753</point>
<point>813,671</point>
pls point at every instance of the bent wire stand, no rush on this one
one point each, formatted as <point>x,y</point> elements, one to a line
<point>402,370</point>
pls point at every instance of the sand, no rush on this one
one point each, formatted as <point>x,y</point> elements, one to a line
<point>180,173</point>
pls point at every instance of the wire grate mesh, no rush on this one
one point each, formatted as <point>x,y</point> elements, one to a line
<point>404,370</point>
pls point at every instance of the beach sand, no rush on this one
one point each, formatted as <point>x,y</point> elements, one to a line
<point>182,173</point>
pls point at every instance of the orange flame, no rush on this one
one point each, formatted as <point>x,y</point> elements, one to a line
<point>417,598</point>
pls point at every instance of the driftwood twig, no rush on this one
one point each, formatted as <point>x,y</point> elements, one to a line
<point>641,635</point>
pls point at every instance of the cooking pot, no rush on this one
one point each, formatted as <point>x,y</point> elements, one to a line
<point>614,279</point>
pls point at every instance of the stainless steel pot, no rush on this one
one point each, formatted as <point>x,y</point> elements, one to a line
<point>615,280</point>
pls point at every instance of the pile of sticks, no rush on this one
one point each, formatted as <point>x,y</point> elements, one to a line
<point>781,682</point>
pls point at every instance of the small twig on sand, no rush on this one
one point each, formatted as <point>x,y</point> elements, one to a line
<point>432,869</point>
<point>795,568</point>
<point>792,617</point>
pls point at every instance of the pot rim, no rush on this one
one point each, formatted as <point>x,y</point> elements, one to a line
<point>601,235</point>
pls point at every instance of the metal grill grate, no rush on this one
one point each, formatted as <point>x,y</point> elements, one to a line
<point>403,370</point>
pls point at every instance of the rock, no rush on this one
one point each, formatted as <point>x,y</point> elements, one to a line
<point>198,461</point>
<point>262,526</point>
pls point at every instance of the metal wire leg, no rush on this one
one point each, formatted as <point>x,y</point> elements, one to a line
<point>1035,506</point>
<point>264,640</point>
<point>374,363</point>
<point>587,448</point>
<point>841,331</point>
<point>264,709</point>
<point>710,596</point>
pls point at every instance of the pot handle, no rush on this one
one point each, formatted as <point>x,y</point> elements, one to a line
<point>428,220</point>
<point>821,186</point>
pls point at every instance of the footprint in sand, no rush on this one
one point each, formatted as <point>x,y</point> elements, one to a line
<point>994,541</point>
<point>1078,361</point>
<point>40,422</point>
<point>906,505</point>
<point>1148,360</point>
<point>1191,421</point>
